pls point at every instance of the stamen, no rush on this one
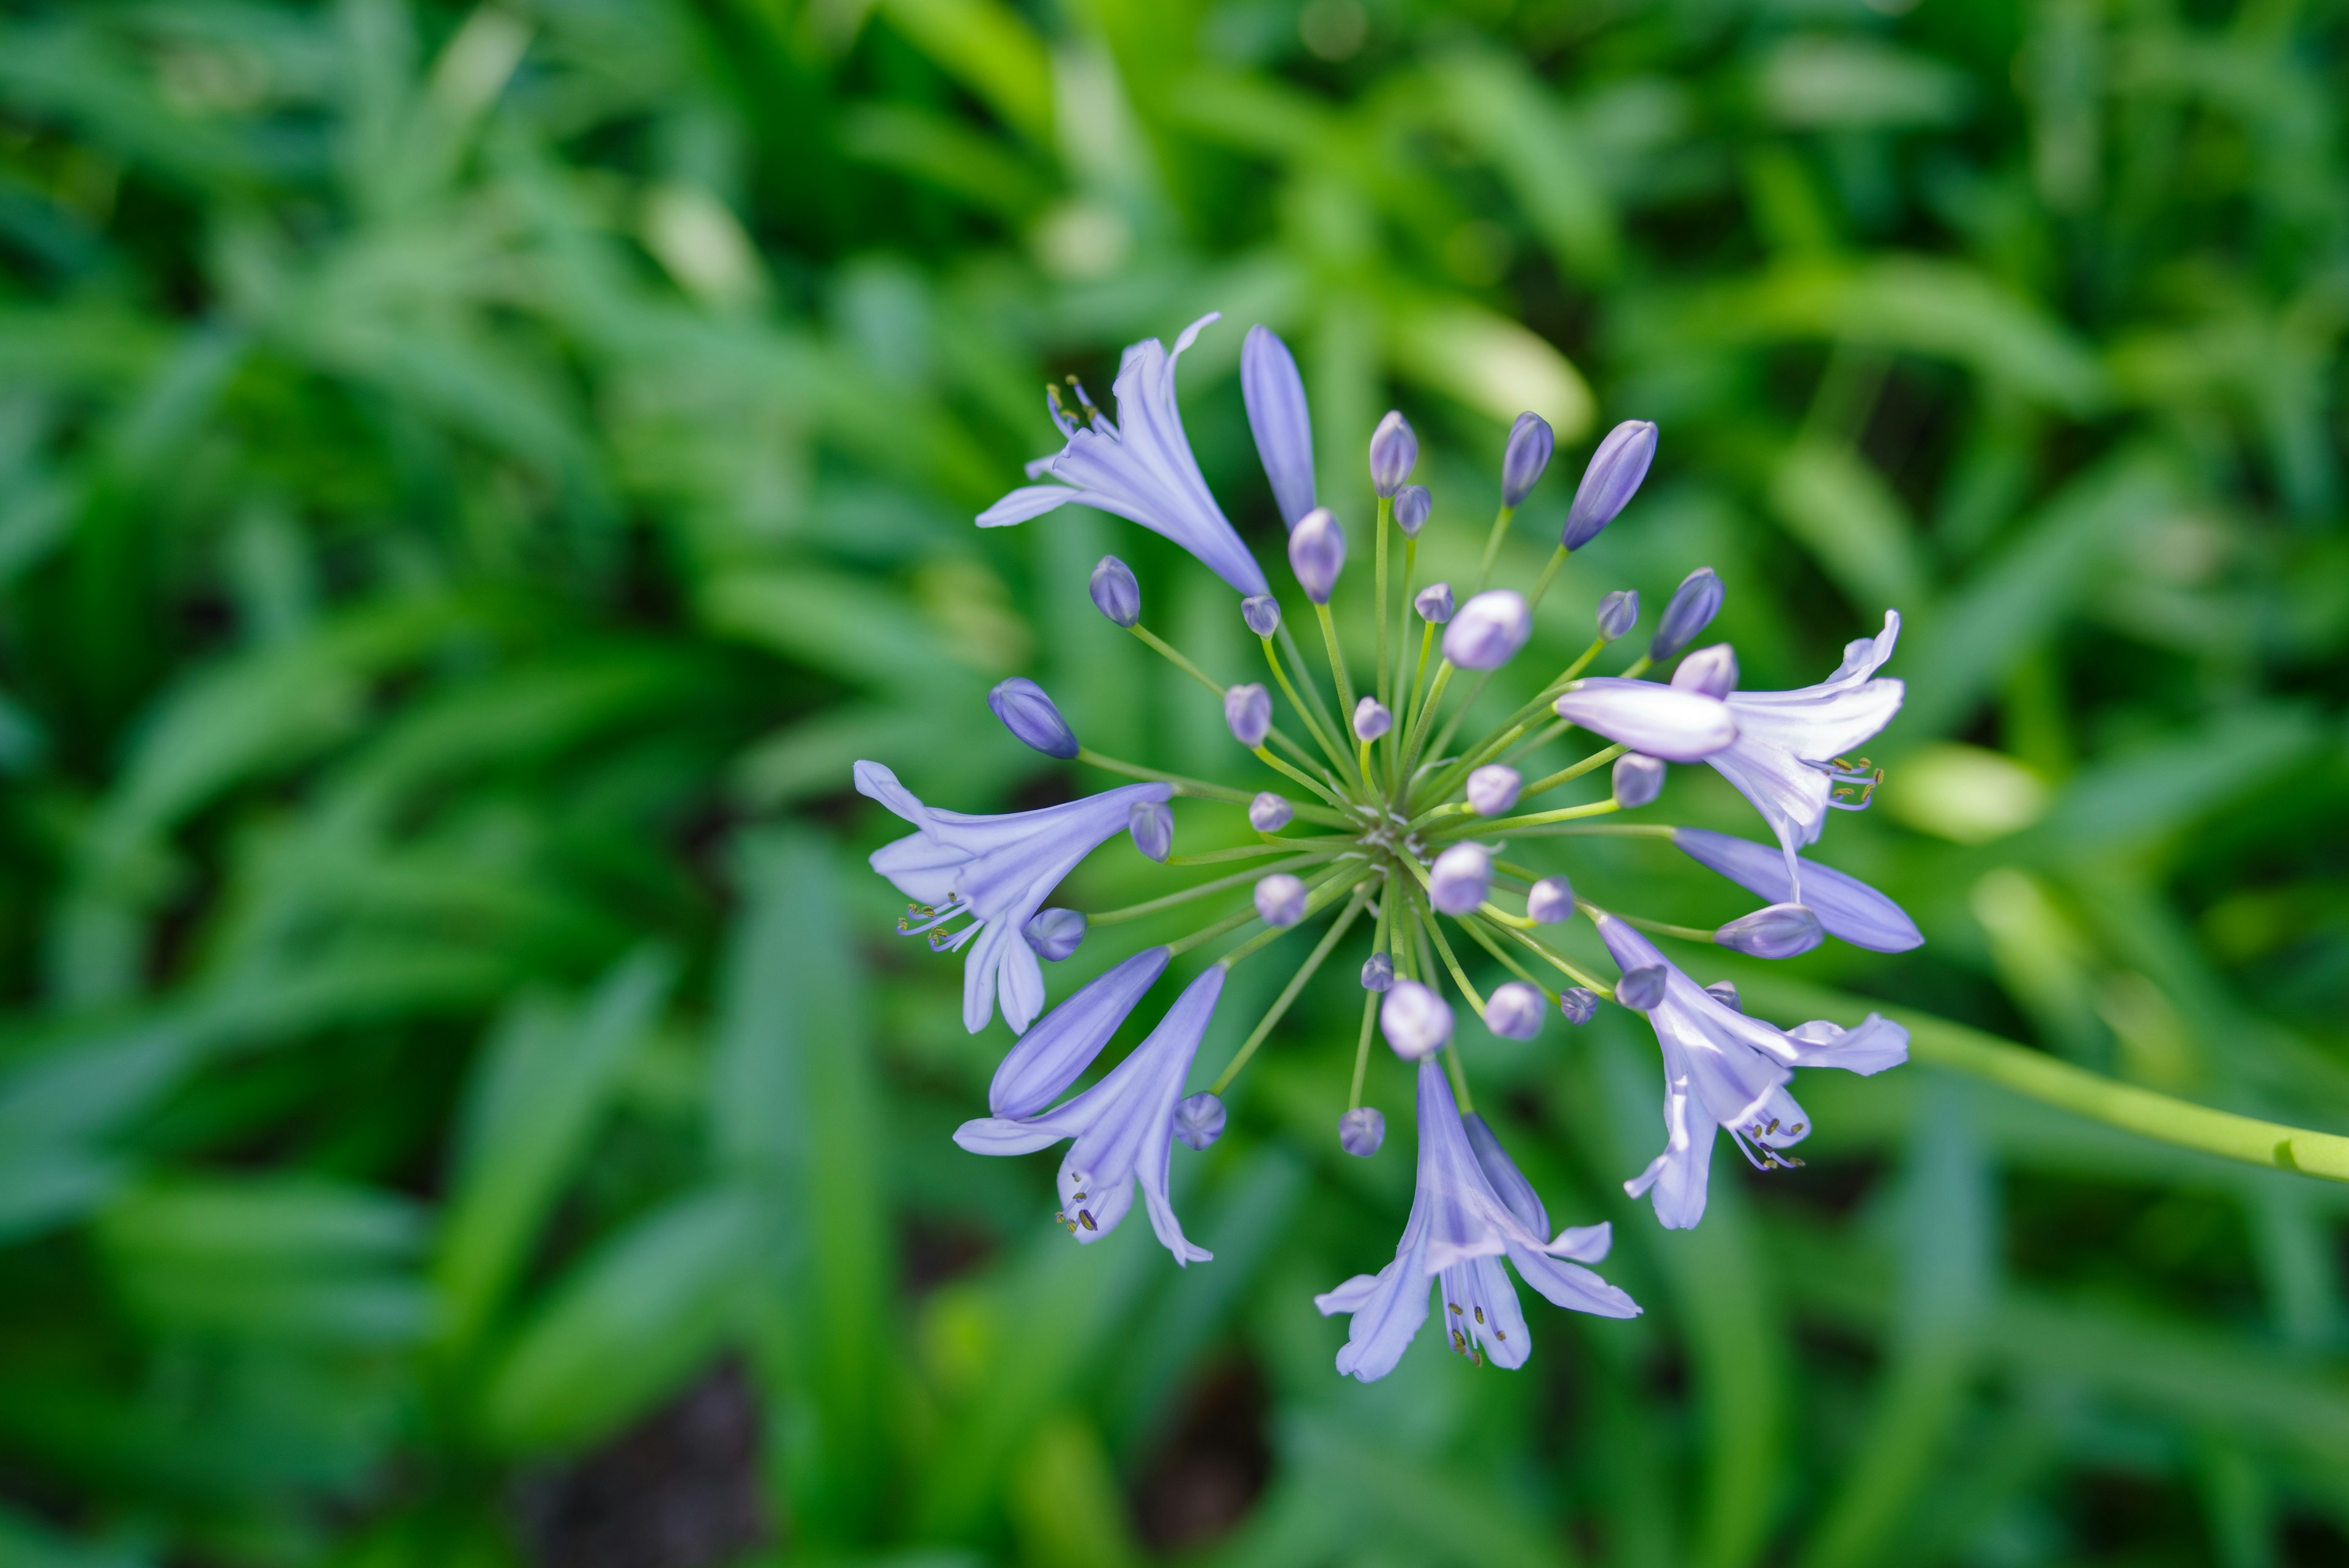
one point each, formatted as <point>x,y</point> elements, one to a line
<point>1861,775</point>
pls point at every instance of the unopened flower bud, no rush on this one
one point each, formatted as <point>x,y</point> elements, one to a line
<point>1378,972</point>
<point>1153,826</point>
<point>1394,451</point>
<point>1642,989</point>
<point>1415,1020</point>
<point>1262,613</point>
<point>1361,1131</point>
<point>1637,781</point>
<point>1724,991</point>
<point>1578,1005</point>
<point>1711,671</point>
<point>1248,711</point>
<point>1488,630</point>
<point>1513,1010</point>
<point>1055,933</point>
<point>1317,554</point>
<point>1278,417</point>
<point>1280,899</point>
<point>1609,483</point>
<point>1460,878</point>
<point>1269,813</point>
<point>1030,716</point>
<point>1433,603</point>
<point>1619,612</point>
<point>1199,1120</point>
<point>1693,605</point>
<point>1778,931</point>
<point>1115,593</point>
<point>1550,902</point>
<point>1493,789</point>
<point>1371,719</point>
<point>1531,441</point>
<point>1413,504</point>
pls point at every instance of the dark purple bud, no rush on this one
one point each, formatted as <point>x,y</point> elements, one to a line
<point>1394,451</point>
<point>1609,483</point>
<point>1637,781</point>
<point>1199,1120</point>
<point>1642,989</point>
<point>1378,972</point>
<point>1413,504</point>
<point>1153,826</point>
<point>1531,441</point>
<point>1579,1006</point>
<point>1361,1131</point>
<point>1262,613</point>
<point>1711,671</point>
<point>1619,612</point>
<point>1115,593</point>
<point>1776,931</point>
<point>1055,933</point>
<point>1695,603</point>
<point>1317,554</point>
<point>1248,711</point>
<point>1029,715</point>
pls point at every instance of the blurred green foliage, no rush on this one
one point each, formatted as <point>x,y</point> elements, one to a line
<point>472,480</point>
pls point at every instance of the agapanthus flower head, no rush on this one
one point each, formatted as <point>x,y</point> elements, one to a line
<point>1403,817</point>
<point>1488,630</point>
<point>1394,453</point>
<point>1055,934</point>
<point>1317,554</point>
<point>1609,483</point>
<point>1139,468</point>
<point>1278,419</point>
<point>1412,505</point>
<point>1116,592</point>
<point>1693,605</point>
<point>1531,441</point>
<point>1032,718</point>
<point>1269,813</point>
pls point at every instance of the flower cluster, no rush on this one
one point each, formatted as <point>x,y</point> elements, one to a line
<point>1379,813</point>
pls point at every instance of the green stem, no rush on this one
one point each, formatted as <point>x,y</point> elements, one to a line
<point>1289,992</point>
<point>1598,759</point>
<point>1386,514</point>
<point>1230,922</point>
<point>1362,1049</point>
<point>1548,575</point>
<point>1459,976</point>
<point>1318,897</point>
<point>1563,965</point>
<point>1335,753</point>
<point>1542,818</point>
<point>1476,928</point>
<point>1301,777</point>
<point>1338,676</point>
<point>1253,851</point>
<point>1637,668</point>
<point>1663,928</point>
<point>1219,884</point>
<point>1420,721</point>
<point>1198,788</point>
<point>1459,1075</point>
<point>1451,724</point>
<point>1492,546</point>
<point>1312,693</point>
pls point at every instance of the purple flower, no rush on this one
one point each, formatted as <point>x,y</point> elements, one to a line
<point>1378,972</point>
<point>1493,789</point>
<point>1462,1223</point>
<point>1140,468</point>
<point>1651,717</point>
<point>1579,1005</point>
<point>1460,877</point>
<point>1609,483</point>
<point>1636,781</point>
<point>1199,1120</point>
<point>1056,1052</point>
<point>1488,630</point>
<point>1029,713</point>
<point>1693,605</point>
<point>1776,931</point>
<point>1619,612</point>
<point>1248,711</point>
<point>1412,505</point>
<point>1269,813</point>
<point>1152,823</point>
<point>1361,1130</point>
<point>1371,719</point>
<point>1550,902</point>
<point>1531,441</point>
<point>1787,755</point>
<point>1055,934</point>
<point>1317,554</point>
<point>1415,1020</point>
<point>1433,603</point>
<point>1394,451</point>
<point>1513,1010</point>
<point>1280,899</point>
<point>1711,671</point>
<point>1278,417</point>
<point>1725,1069</point>
<point>1124,1128</point>
<point>998,870</point>
<point>1115,593</point>
<point>1848,906</point>
<point>1262,614</point>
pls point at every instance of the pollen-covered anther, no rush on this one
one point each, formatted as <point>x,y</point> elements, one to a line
<point>1861,774</point>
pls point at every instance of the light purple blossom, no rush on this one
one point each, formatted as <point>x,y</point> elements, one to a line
<point>1785,756</point>
<point>1774,931</point>
<point>1378,972</point>
<point>1152,824</point>
<point>998,870</point>
<point>1371,719</point>
<point>1394,451</point>
<point>1139,468</point>
<point>1124,1128</point>
<point>1055,934</point>
<point>1531,441</point>
<point>1609,483</point>
<point>1578,1004</point>
<point>1488,630</point>
<point>1030,714</point>
<point>1361,1131</point>
<point>1651,717</point>
<point>1619,612</point>
<point>1513,1010</point>
<point>1460,877</point>
<point>1415,1020</point>
<point>1710,670</point>
<point>1056,1052</point>
<point>1278,419</point>
<point>1725,1069</point>
<point>1550,902</point>
<point>1636,781</point>
<point>1280,899</point>
<point>1247,709</point>
<point>1199,1120</point>
<point>1262,614</point>
<point>1412,505</point>
<point>1693,605</point>
<point>1433,603</point>
<point>1116,592</point>
<point>1317,554</point>
<point>1269,813</point>
<point>1848,906</point>
<point>1459,1227</point>
<point>1493,789</point>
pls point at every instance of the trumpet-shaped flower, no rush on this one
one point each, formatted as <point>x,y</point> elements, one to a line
<point>1649,717</point>
<point>1725,1069</point>
<point>1123,1128</point>
<point>1788,754</point>
<point>1848,906</point>
<point>1139,468</point>
<point>998,870</point>
<point>1467,1213</point>
<point>1056,1052</point>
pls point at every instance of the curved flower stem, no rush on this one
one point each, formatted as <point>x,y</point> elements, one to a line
<point>1184,663</point>
<point>1329,748</point>
<point>1685,933</point>
<point>1427,710</point>
<point>1598,759</point>
<point>1200,789</point>
<point>1301,777</point>
<point>1492,546</point>
<point>1386,516</point>
<point>1612,830</point>
<point>1563,965</point>
<point>1452,1064</point>
<point>1252,851</point>
<point>1548,576</point>
<point>1321,895</point>
<point>1248,916</point>
<point>1217,885</point>
<point>1516,726</point>
<point>1459,976</point>
<point>1535,740</point>
<point>1362,1049</point>
<point>1498,916</point>
<point>1402,656</point>
<point>1484,938</point>
<point>1289,992</point>
<point>1940,1043</point>
<point>1544,818</point>
<point>1338,676</point>
<point>1312,693</point>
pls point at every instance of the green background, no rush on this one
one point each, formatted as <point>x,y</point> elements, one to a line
<point>472,480</point>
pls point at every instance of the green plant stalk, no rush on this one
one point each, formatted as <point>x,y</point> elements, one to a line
<point>1296,982</point>
<point>1200,890</point>
<point>1201,790</point>
<point>1183,663</point>
<point>1386,514</point>
<point>1312,693</point>
<point>1338,676</point>
<point>1476,928</point>
<point>1301,777</point>
<point>1329,748</point>
<point>1548,576</point>
<point>1492,546</point>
